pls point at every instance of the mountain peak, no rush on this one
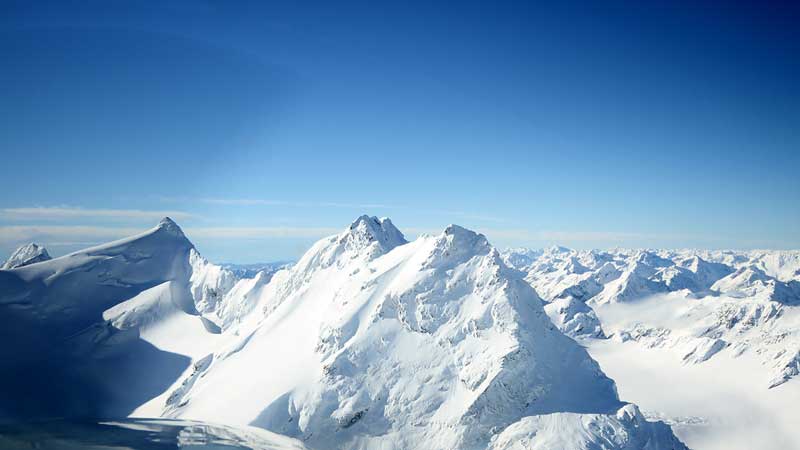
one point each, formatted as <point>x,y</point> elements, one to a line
<point>557,249</point>
<point>457,244</point>
<point>650,258</point>
<point>169,225</point>
<point>366,230</point>
<point>25,255</point>
<point>520,257</point>
<point>461,236</point>
<point>366,238</point>
<point>751,274</point>
<point>573,265</point>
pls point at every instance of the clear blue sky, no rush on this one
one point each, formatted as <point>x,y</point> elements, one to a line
<point>262,126</point>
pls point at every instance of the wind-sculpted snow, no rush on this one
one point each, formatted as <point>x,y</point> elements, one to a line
<point>103,330</point>
<point>71,292</point>
<point>26,255</point>
<point>720,303</point>
<point>430,344</point>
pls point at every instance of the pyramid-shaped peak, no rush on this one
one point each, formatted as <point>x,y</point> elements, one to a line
<point>366,230</point>
<point>693,263</point>
<point>169,225</point>
<point>167,221</point>
<point>557,249</point>
<point>457,244</point>
<point>25,255</point>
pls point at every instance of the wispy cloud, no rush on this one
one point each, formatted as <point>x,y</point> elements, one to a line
<point>68,212</point>
<point>239,201</point>
<point>261,232</point>
<point>360,206</point>
<point>567,236</point>
<point>272,202</point>
<point>534,236</point>
<point>609,239</point>
<point>63,234</point>
<point>465,215</point>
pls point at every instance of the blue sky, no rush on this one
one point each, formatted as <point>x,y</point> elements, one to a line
<point>262,126</point>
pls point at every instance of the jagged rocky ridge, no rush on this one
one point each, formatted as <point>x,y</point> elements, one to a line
<point>368,341</point>
<point>720,302</point>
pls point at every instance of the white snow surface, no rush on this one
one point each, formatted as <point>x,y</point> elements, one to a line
<point>25,255</point>
<point>369,341</point>
<point>372,342</point>
<point>627,429</point>
<point>720,328</point>
<point>744,300</point>
<point>100,331</point>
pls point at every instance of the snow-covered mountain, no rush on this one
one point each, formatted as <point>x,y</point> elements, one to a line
<point>389,344</point>
<point>81,332</point>
<point>26,255</point>
<point>369,341</point>
<point>700,309</point>
<point>251,270</point>
<point>743,300</point>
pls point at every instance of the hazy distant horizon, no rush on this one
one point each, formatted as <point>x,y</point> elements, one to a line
<point>257,240</point>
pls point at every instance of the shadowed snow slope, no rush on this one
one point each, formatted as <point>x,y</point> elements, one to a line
<point>99,331</point>
<point>140,434</point>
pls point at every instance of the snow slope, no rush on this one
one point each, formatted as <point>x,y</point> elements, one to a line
<point>26,255</point>
<point>721,404</point>
<point>726,322</point>
<point>369,341</point>
<point>372,342</point>
<point>744,300</point>
<point>627,429</point>
<point>100,331</point>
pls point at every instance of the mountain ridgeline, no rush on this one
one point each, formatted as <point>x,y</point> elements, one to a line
<point>368,341</point>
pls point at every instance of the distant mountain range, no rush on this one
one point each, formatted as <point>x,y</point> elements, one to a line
<point>742,301</point>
